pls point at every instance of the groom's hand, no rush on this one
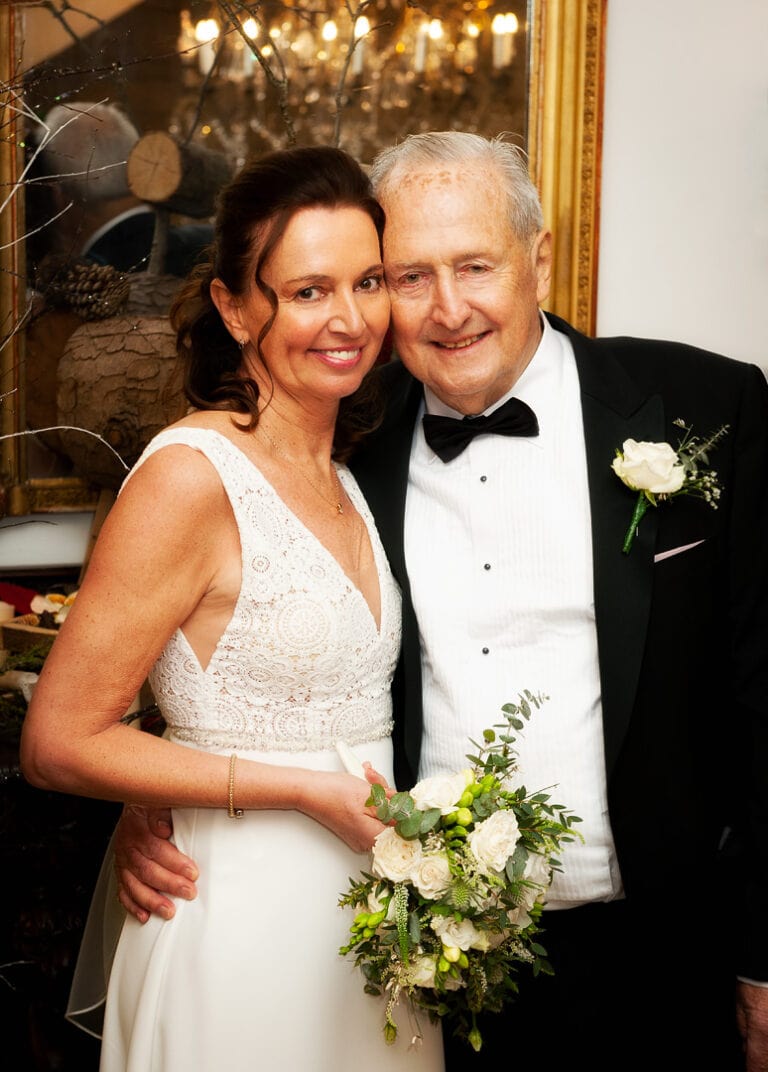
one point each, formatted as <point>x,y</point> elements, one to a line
<point>752,1010</point>
<point>146,863</point>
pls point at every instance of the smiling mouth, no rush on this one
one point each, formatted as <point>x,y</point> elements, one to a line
<point>460,344</point>
<point>340,357</point>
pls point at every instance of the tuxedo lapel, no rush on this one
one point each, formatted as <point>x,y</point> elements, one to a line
<point>381,468</point>
<point>614,409</point>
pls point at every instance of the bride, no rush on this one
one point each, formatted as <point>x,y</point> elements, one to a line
<point>240,570</point>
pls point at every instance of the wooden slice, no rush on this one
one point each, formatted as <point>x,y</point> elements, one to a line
<point>154,167</point>
<point>182,178</point>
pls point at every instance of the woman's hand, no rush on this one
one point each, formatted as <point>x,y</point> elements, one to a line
<point>338,802</point>
<point>374,778</point>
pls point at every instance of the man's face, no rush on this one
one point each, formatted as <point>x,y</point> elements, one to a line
<point>465,291</point>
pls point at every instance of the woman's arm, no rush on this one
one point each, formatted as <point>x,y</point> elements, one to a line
<point>167,557</point>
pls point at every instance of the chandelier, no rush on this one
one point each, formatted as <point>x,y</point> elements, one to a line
<point>359,74</point>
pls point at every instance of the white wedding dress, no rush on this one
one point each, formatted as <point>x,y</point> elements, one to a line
<point>248,976</point>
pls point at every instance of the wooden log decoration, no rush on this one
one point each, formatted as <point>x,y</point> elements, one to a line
<point>183,178</point>
<point>115,378</point>
<point>151,295</point>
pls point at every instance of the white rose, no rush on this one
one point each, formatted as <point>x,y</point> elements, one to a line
<point>537,870</point>
<point>441,791</point>
<point>431,875</point>
<point>421,971</point>
<point>395,857</point>
<point>375,905</point>
<point>650,467</point>
<point>493,841</point>
<point>518,917</point>
<point>463,934</point>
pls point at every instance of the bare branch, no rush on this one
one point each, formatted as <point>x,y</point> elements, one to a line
<point>353,42</point>
<point>279,83</point>
<point>59,12</point>
<point>66,428</point>
<point>202,94</point>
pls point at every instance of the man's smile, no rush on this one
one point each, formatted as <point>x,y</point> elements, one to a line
<point>460,344</point>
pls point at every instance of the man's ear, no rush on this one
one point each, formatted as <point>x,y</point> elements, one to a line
<point>230,309</point>
<point>541,262</point>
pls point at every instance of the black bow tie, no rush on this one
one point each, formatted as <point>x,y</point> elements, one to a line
<point>448,436</point>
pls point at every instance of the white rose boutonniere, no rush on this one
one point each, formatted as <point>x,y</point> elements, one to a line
<point>657,472</point>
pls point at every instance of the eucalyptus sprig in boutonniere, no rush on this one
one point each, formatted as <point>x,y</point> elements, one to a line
<point>657,472</point>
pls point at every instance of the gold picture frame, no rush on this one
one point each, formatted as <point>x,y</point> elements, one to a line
<point>564,147</point>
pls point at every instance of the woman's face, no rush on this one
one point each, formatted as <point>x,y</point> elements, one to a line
<point>333,308</point>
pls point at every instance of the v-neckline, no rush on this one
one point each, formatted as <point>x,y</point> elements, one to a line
<point>362,510</point>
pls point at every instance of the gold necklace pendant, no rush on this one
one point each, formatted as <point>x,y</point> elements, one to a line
<point>335,503</point>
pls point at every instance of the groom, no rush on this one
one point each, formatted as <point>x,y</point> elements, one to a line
<point>508,548</point>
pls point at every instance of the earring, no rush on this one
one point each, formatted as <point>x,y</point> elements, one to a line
<point>241,343</point>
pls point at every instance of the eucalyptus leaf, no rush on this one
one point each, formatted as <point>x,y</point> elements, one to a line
<point>378,796</point>
<point>402,802</point>
<point>410,827</point>
<point>429,819</point>
<point>516,863</point>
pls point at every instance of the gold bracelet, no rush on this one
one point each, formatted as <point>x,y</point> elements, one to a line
<point>233,812</point>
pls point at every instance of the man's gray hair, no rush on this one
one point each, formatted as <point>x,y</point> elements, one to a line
<point>461,147</point>
<point>86,147</point>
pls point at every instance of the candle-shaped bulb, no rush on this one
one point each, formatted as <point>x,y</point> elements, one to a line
<point>206,32</point>
<point>362,26</point>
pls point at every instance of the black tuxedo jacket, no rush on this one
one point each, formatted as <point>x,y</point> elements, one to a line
<point>682,641</point>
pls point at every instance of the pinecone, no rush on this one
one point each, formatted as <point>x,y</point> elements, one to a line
<point>93,291</point>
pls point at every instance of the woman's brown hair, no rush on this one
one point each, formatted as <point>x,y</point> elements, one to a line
<point>253,212</point>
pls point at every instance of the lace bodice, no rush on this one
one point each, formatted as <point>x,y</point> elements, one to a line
<point>301,663</point>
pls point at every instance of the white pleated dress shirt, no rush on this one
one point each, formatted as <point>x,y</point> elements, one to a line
<point>499,554</point>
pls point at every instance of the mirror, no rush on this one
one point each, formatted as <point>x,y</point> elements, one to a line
<point>214,82</point>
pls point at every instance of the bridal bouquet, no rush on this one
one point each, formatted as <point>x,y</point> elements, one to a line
<point>451,909</point>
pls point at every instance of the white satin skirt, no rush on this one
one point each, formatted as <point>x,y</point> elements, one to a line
<point>248,976</point>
